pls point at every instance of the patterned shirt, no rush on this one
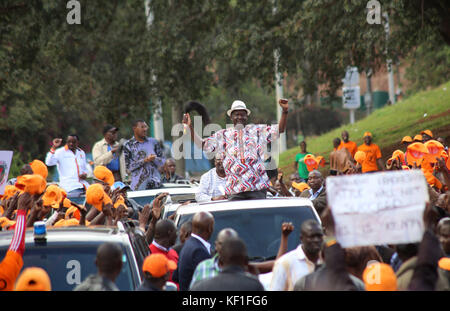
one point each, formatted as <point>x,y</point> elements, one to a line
<point>144,175</point>
<point>211,185</point>
<point>206,269</point>
<point>244,151</point>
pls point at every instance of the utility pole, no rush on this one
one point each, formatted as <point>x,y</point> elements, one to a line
<point>279,94</point>
<point>157,116</point>
<point>389,61</point>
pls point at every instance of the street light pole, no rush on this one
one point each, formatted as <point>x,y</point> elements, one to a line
<point>389,61</point>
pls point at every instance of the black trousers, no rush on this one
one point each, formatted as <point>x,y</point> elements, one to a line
<point>248,195</point>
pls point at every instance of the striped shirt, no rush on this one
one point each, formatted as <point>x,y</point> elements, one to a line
<point>206,269</point>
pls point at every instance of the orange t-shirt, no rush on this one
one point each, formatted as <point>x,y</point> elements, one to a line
<point>350,146</point>
<point>373,153</point>
<point>9,270</point>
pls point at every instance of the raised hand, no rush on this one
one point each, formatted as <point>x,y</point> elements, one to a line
<point>57,142</point>
<point>287,228</point>
<point>283,104</point>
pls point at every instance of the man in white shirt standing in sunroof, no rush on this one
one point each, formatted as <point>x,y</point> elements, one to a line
<point>70,161</point>
<point>213,183</point>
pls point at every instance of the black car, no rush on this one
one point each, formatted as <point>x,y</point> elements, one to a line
<point>68,253</point>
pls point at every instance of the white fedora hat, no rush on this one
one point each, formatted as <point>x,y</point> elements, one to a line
<point>238,105</point>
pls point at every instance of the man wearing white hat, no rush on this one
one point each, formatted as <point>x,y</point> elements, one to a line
<point>243,146</point>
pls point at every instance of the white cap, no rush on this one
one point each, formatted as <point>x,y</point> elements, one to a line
<point>238,105</point>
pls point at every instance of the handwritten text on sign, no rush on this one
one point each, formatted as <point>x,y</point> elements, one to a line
<point>379,208</point>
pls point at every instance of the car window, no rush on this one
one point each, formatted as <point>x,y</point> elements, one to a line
<point>260,228</point>
<point>69,266</point>
<point>144,200</point>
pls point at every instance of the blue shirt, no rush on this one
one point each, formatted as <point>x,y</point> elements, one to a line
<point>114,165</point>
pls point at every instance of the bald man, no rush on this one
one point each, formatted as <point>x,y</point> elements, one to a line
<point>317,193</point>
<point>165,237</point>
<point>109,265</point>
<point>211,267</point>
<point>196,248</point>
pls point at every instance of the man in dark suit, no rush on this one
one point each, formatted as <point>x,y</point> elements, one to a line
<point>195,249</point>
<point>233,276</point>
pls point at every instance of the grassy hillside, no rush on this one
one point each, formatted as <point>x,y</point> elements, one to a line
<point>424,110</point>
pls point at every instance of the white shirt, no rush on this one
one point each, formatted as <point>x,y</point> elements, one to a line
<point>289,268</point>
<point>70,166</point>
<point>205,243</point>
<point>211,185</point>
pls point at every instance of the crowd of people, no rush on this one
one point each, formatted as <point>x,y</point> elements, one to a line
<point>318,263</point>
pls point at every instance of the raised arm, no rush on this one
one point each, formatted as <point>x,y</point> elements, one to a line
<point>188,126</point>
<point>283,120</point>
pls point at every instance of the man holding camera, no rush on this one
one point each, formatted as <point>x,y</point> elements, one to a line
<point>109,152</point>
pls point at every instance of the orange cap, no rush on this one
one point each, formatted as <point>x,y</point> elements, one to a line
<point>67,222</point>
<point>428,132</point>
<point>444,263</point>
<point>96,196</point>
<point>407,139</point>
<point>104,174</point>
<point>10,190</point>
<point>73,212</point>
<point>52,196</point>
<point>360,156</point>
<point>415,153</point>
<point>435,149</point>
<point>418,137</point>
<point>33,279</point>
<point>66,203</point>
<point>300,186</point>
<point>6,222</point>
<point>311,162</point>
<point>39,168</point>
<point>158,265</point>
<point>119,201</point>
<point>367,134</point>
<point>32,184</point>
<point>321,161</point>
<point>379,277</point>
<point>398,154</point>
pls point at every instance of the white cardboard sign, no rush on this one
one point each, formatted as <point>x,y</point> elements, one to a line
<point>5,164</point>
<point>378,208</point>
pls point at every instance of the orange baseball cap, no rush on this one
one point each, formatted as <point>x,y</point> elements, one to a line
<point>415,153</point>
<point>367,134</point>
<point>418,137</point>
<point>360,156</point>
<point>33,279</point>
<point>444,263</point>
<point>73,212</point>
<point>407,139</point>
<point>379,277</point>
<point>435,149</point>
<point>302,186</point>
<point>158,265</point>
<point>311,162</point>
<point>120,201</point>
<point>68,222</point>
<point>6,222</point>
<point>321,161</point>
<point>32,184</point>
<point>52,196</point>
<point>40,168</point>
<point>428,132</point>
<point>67,203</point>
<point>96,196</point>
<point>10,190</point>
<point>398,154</point>
<point>104,174</point>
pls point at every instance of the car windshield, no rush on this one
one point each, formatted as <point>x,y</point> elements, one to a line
<point>69,266</point>
<point>260,228</point>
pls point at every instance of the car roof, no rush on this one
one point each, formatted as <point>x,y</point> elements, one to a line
<point>223,205</point>
<point>154,192</point>
<point>75,234</point>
